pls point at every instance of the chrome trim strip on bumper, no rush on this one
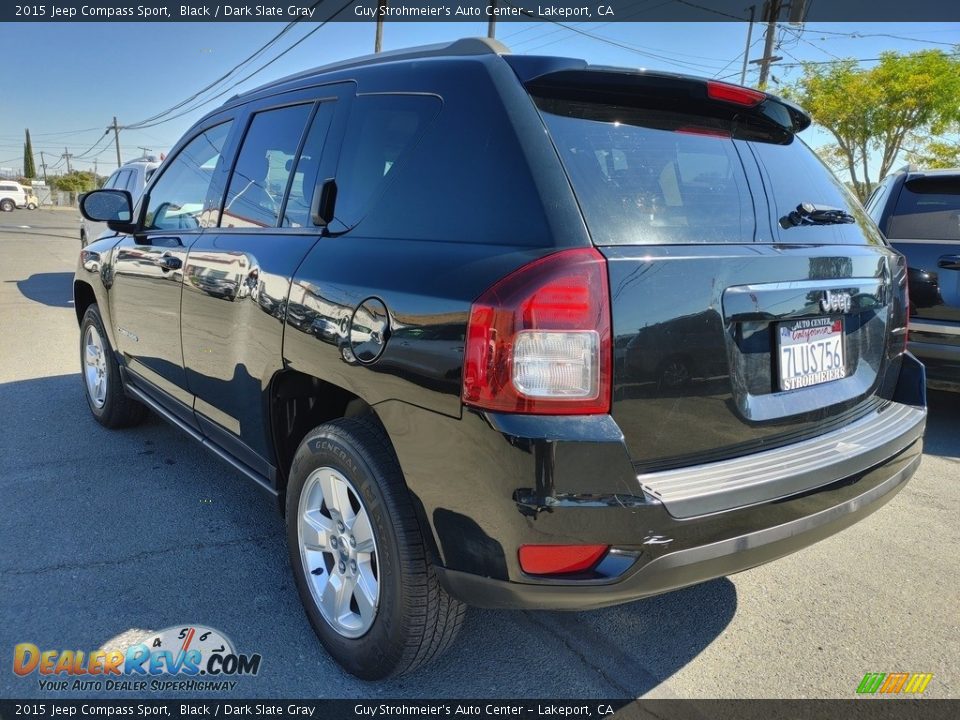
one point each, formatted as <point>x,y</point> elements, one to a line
<point>773,474</point>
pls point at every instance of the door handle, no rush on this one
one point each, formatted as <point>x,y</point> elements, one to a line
<point>169,262</point>
<point>949,262</point>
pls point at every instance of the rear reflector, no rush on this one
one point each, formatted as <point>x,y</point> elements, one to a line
<point>559,559</point>
<point>734,94</point>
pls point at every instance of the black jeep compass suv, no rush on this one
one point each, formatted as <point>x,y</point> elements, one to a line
<point>508,331</point>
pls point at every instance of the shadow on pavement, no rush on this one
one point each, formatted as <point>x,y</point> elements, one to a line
<point>111,533</point>
<point>53,289</point>
<point>943,424</point>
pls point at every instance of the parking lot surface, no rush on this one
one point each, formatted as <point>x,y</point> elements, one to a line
<point>108,534</point>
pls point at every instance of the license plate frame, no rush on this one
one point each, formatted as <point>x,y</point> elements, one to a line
<point>810,352</point>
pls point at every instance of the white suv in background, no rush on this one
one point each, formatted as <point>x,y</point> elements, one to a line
<point>12,195</point>
<point>133,177</point>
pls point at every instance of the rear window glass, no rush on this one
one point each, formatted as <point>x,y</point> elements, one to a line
<point>651,177</point>
<point>795,175</point>
<point>927,209</point>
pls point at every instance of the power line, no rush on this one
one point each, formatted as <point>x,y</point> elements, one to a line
<point>220,79</point>
<point>250,75</point>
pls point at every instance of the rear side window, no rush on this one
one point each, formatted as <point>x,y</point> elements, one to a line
<point>928,209</point>
<point>263,167</point>
<point>381,130</point>
<point>794,175</point>
<point>297,209</point>
<point>651,177</point>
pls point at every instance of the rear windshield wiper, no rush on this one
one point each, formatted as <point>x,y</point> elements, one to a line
<point>810,214</point>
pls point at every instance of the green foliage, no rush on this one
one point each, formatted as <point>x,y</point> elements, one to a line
<point>874,111</point>
<point>936,152</point>
<point>77,181</point>
<point>29,168</point>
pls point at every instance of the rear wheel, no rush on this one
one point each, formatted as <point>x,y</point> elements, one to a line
<point>358,555</point>
<point>7,205</point>
<point>31,206</point>
<point>108,402</point>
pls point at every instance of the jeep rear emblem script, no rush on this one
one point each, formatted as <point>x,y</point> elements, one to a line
<point>835,301</point>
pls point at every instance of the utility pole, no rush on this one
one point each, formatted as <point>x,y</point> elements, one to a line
<point>773,12</point>
<point>145,149</point>
<point>96,173</point>
<point>492,23</point>
<point>746,52</point>
<point>116,137</point>
<point>43,164</point>
<point>66,156</point>
<point>378,40</point>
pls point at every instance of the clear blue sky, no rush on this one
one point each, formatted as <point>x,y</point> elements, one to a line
<point>71,79</point>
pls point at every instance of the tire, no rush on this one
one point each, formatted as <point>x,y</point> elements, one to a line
<point>32,206</point>
<point>100,373</point>
<point>413,619</point>
<point>7,205</point>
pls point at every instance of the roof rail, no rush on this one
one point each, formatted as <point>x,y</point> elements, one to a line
<point>909,167</point>
<point>461,47</point>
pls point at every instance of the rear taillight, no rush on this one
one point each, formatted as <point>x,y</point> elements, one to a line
<point>538,341</point>
<point>734,94</point>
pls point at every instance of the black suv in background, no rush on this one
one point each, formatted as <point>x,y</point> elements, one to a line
<point>509,331</point>
<point>919,212</point>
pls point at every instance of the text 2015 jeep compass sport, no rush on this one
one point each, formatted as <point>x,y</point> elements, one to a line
<point>508,331</point>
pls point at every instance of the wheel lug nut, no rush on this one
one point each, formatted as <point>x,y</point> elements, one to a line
<point>343,567</point>
<point>340,525</point>
<point>353,541</point>
<point>333,542</point>
<point>353,565</point>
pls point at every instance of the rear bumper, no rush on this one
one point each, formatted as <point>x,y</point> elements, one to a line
<point>692,565</point>
<point>499,482</point>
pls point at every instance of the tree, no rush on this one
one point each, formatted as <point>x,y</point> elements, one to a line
<point>872,112</point>
<point>29,169</point>
<point>77,181</point>
<point>936,152</point>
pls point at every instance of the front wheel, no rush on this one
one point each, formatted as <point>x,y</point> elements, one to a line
<point>7,205</point>
<point>108,402</point>
<point>32,206</point>
<point>358,555</point>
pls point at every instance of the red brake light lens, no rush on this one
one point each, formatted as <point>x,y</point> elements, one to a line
<point>559,559</point>
<point>538,341</point>
<point>734,94</point>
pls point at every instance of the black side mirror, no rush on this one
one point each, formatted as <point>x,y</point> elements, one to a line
<point>114,207</point>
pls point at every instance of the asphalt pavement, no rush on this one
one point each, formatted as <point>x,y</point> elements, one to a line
<point>109,535</point>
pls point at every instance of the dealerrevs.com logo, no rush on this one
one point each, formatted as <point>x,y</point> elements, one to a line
<point>189,657</point>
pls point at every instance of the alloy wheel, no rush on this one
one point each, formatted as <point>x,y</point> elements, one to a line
<point>338,552</point>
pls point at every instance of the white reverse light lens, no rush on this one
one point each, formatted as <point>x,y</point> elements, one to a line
<point>556,364</point>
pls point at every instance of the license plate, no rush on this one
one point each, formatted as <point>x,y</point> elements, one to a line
<point>811,352</point>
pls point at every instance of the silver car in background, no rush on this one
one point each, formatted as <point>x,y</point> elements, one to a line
<point>133,177</point>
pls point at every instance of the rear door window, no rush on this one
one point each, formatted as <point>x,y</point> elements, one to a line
<point>297,209</point>
<point>928,208</point>
<point>262,171</point>
<point>651,177</point>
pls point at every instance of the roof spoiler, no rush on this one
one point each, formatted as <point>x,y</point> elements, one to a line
<point>569,77</point>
